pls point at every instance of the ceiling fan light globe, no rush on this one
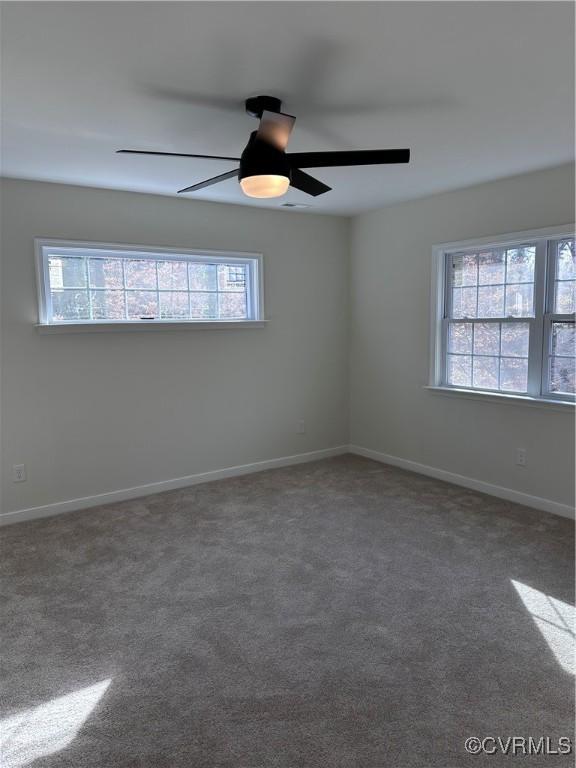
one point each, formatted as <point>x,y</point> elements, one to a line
<point>265,185</point>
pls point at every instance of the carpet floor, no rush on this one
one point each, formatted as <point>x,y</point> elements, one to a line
<point>338,614</point>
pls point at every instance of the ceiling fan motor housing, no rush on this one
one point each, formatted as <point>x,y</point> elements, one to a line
<point>260,158</point>
<point>258,104</point>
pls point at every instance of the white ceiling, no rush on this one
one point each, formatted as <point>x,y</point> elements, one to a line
<point>477,90</point>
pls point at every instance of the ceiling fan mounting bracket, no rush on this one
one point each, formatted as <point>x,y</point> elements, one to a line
<point>256,105</point>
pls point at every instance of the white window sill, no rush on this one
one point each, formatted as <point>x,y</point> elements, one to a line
<point>151,325</point>
<point>565,406</point>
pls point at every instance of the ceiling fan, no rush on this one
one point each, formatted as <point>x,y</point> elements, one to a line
<point>267,170</point>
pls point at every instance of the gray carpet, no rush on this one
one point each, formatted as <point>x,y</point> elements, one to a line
<point>341,614</point>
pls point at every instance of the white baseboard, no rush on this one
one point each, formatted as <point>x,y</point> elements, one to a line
<point>546,505</point>
<point>73,505</point>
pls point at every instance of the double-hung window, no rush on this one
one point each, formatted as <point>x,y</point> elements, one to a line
<point>505,315</point>
<point>93,284</point>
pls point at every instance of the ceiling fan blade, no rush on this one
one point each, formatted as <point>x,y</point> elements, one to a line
<point>275,128</point>
<point>307,183</point>
<point>355,157</point>
<point>209,182</point>
<point>172,154</point>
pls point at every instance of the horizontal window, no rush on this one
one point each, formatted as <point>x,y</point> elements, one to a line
<point>506,317</point>
<point>88,284</point>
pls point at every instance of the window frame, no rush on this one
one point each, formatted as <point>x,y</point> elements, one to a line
<point>540,324</point>
<point>44,247</point>
<point>551,317</point>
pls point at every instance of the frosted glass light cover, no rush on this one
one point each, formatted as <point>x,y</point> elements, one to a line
<point>269,185</point>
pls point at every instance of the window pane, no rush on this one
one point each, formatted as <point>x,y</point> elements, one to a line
<point>491,301</point>
<point>566,261</point>
<point>231,278</point>
<point>519,300</point>
<point>487,339</point>
<point>142,304</point>
<point>174,304</point>
<point>460,338</point>
<point>562,375</point>
<point>108,305</point>
<point>67,272</point>
<point>562,361</point>
<point>56,277</point>
<point>520,264</point>
<point>485,372</point>
<point>464,269</point>
<point>513,374</point>
<point>140,273</point>
<point>105,273</point>
<point>459,370</point>
<point>204,306</point>
<point>515,339</point>
<point>463,302</point>
<point>491,268</point>
<point>563,339</point>
<point>202,277</point>
<point>232,305</point>
<point>564,301</point>
<point>70,305</point>
<point>173,275</point>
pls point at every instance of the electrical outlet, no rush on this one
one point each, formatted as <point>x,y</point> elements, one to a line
<point>18,473</point>
<point>521,457</point>
<point>301,427</point>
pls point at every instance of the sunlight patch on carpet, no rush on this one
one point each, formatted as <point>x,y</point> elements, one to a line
<point>48,728</point>
<point>556,621</point>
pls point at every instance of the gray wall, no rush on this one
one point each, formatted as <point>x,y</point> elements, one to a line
<point>90,413</point>
<point>390,411</point>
